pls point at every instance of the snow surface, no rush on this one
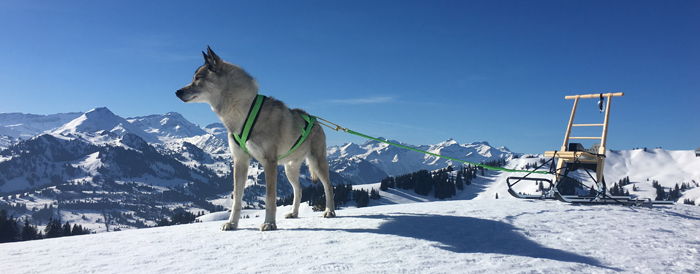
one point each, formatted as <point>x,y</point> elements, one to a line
<point>465,236</point>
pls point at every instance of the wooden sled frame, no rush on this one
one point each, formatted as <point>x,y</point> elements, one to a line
<point>565,156</point>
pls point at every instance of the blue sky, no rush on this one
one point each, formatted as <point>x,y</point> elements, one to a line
<point>415,71</point>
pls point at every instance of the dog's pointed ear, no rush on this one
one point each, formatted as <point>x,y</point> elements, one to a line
<point>211,60</point>
<point>213,55</point>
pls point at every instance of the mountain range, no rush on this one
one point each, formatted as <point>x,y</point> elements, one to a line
<point>172,134</point>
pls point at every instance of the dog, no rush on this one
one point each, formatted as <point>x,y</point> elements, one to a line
<point>232,92</point>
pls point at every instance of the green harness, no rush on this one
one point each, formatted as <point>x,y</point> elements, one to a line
<point>253,117</point>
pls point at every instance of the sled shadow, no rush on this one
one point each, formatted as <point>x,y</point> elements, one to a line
<point>471,235</point>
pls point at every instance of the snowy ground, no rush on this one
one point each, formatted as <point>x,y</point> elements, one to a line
<point>462,236</point>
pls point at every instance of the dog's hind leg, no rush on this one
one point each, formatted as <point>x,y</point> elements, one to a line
<point>292,170</point>
<point>270,195</point>
<point>240,174</point>
<point>317,161</point>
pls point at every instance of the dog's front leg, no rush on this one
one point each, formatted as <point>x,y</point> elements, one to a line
<point>240,174</point>
<point>270,196</point>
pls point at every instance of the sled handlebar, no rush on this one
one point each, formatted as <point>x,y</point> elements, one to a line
<point>597,95</point>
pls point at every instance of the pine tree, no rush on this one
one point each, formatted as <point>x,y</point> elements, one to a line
<point>77,230</point>
<point>66,229</point>
<point>374,194</point>
<point>53,228</point>
<point>9,228</point>
<point>458,182</point>
<point>660,192</point>
<point>384,185</point>
<point>29,232</point>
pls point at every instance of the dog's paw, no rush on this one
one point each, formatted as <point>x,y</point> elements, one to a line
<point>229,226</point>
<point>329,214</point>
<point>291,215</point>
<point>268,226</point>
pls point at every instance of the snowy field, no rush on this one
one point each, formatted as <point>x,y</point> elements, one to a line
<point>463,236</point>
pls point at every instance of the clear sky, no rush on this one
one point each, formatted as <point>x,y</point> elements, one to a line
<point>415,71</point>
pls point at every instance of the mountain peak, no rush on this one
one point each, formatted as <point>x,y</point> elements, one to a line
<point>449,142</point>
<point>168,126</point>
<point>99,119</point>
<point>175,115</point>
<point>100,110</point>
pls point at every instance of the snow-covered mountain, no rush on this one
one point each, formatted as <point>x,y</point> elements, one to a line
<point>30,125</point>
<point>363,160</point>
<point>102,120</point>
<point>364,163</point>
<point>218,130</point>
<point>49,160</point>
<point>167,127</point>
<point>17,126</point>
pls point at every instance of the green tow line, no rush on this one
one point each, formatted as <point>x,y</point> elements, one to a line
<point>337,128</point>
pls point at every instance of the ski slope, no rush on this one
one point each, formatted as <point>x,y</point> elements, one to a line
<point>461,236</point>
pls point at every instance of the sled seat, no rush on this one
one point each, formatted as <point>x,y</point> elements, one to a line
<point>571,156</point>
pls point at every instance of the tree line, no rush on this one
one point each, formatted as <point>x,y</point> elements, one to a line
<point>342,194</point>
<point>443,183</point>
<point>14,230</point>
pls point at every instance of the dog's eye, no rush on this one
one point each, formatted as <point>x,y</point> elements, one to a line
<point>198,76</point>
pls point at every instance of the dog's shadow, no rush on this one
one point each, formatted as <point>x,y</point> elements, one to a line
<point>469,235</point>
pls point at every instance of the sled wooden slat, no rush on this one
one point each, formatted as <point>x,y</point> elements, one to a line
<point>588,125</point>
<point>585,138</point>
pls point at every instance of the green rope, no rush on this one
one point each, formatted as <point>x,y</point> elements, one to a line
<point>438,155</point>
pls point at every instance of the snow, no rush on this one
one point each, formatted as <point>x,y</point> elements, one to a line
<point>90,163</point>
<point>102,119</point>
<point>464,236</point>
<point>29,125</point>
<point>397,161</point>
<point>167,127</point>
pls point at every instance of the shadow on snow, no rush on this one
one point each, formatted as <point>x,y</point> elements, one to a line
<point>469,235</point>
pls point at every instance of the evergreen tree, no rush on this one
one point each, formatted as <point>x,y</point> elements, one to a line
<point>66,229</point>
<point>9,228</point>
<point>29,232</point>
<point>459,182</point>
<point>163,222</point>
<point>53,229</point>
<point>361,196</point>
<point>384,184</point>
<point>374,194</point>
<point>77,230</point>
<point>660,192</point>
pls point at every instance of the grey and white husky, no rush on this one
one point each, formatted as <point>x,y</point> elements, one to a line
<point>231,92</point>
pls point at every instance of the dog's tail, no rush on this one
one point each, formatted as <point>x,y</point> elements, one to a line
<point>314,176</point>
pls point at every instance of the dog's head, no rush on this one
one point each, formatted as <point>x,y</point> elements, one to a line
<point>215,78</point>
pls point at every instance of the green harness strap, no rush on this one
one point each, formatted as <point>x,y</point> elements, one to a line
<point>305,130</point>
<point>252,117</point>
<point>249,122</point>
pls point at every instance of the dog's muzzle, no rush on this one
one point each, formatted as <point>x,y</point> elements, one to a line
<point>183,95</point>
